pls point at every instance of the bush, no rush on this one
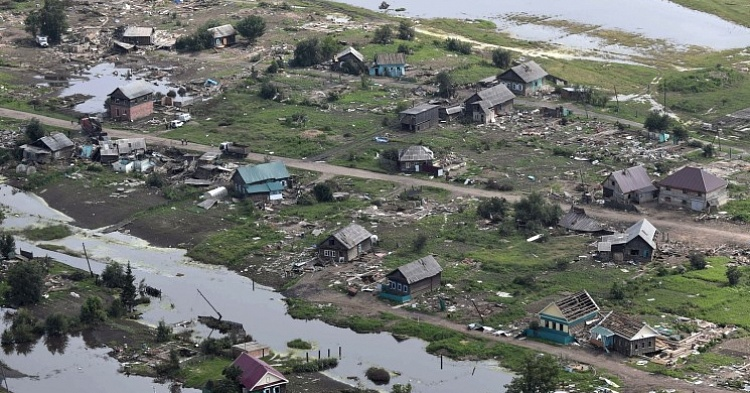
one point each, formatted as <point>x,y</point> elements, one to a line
<point>323,192</point>
<point>251,27</point>
<point>55,325</point>
<point>92,311</point>
<point>493,209</point>
<point>116,309</point>
<point>155,180</point>
<point>697,261</point>
<point>26,282</point>
<point>163,332</point>
<point>406,31</point>
<point>383,35</point>
<point>313,51</point>
<point>534,212</point>
<point>456,45</point>
<point>313,366</point>
<point>113,275</point>
<point>616,292</point>
<point>268,91</point>
<point>419,242</point>
<point>298,343</point>
<point>501,58</point>
<point>528,281</point>
<point>378,376</point>
<point>733,275</point>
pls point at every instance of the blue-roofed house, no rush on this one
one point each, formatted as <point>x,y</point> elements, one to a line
<point>262,182</point>
<point>562,320</point>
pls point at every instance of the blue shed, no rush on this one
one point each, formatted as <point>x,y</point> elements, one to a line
<point>389,64</point>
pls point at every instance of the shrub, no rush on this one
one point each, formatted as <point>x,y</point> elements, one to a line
<point>268,91</point>
<point>155,180</point>
<point>697,261</point>
<point>298,343</point>
<point>113,275</point>
<point>493,209</point>
<point>251,27</point>
<point>55,325</point>
<point>378,376</point>
<point>733,275</point>
<point>406,31</point>
<point>26,281</point>
<point>419,242</point>
<point>383,35</point>
<point>92,311</point>
<point>323,192</point>
<point>456,45</point>
<point>163,332</point>
<point>313,365</point>
<point>501,58</point>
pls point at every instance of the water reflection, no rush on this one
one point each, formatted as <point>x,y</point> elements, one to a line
<point>56,344</point>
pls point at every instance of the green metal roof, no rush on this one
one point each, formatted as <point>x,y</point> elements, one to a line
<point>273,171</point>
<point>270,187</point>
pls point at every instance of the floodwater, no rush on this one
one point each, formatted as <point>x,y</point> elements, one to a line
<point>655,19</point>
<point>99,81</point>
<point>263,313</point>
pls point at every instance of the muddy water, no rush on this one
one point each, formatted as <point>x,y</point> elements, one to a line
<point>656,19</point>
<point>263,314</point>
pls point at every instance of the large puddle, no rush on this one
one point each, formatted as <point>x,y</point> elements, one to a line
<point>655,19</point>
<point>101,80</point>
<point>263,313</point>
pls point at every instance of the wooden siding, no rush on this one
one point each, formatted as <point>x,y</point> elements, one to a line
<point>420,121</point>
<point>634,348</point>
<point>332,250</point>
<point>632,251</point>
<point>425,285</point>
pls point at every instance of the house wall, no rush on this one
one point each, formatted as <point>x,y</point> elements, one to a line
<point>692,200</point>
<point>143,40</point>
<point>129,111</point>
<point>420,121</point>
<point>520,88</point>
<point>273,389</point>
<point>392,70</point>
<point>411,166</point>
<point>398,286</point>
<point>634,348</point>
<point>332,250</point>
<point>63,153</point>
<point>637,250</point>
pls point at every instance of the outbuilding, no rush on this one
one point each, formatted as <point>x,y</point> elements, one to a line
<point>420,117</point>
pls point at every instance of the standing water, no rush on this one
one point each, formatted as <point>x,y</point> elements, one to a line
<point>263,313</point>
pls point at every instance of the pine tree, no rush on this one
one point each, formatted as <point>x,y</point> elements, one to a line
<point>128,289</point>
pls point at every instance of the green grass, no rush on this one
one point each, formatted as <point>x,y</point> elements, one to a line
<point>230,247</point>
<point>738,210</point>
<point>733,11</point>
<point>47,233</point>
<point>197,373</point>
<point>299,343</point>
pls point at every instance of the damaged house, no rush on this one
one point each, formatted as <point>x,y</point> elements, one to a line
<point>114,149</point>
<point>420,117</point>
<point>131,102</point>
<point>562,320</point>
<point>138,36</point>
<point>350,61</point>
<point>577,220</point>
<point>636,244</point>
<point>631,185</point>
<point>346,245</point>
<point>485,105</point>
<point>262,182</point>
<point>223,35</point>
<point>422,275</point>
<point>693,188</point>
<point>48,148</point>
<point>524,79</point>
<point>256,376</point>
<point>621,334</point>
<point>417,159</point>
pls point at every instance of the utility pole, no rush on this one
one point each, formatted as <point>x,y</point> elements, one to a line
<point>617,99</point>
<point>91,272</point>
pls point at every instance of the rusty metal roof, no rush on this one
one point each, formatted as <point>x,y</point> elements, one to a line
<point>693,179</point>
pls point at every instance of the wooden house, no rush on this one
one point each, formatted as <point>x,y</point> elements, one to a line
<point>139,36</point>
<point>350,61</point>
<point>414,158</point>
<point>223,35</point>
<point>451,113</point>
<point>49,148</point>
<point>636,244</point>
<point>621,334</point>
<point>258,377</point>
<point>389,64</point>
<point>484,105</point>
<point>628,186</point>
<point>420,117</point>
<point>346,245</point>
<point>262,182</point>
<point>422,275</point>
<point>560,321</point>
<point>524,79</point>
<point>131,102</point>
<point>694,189</point>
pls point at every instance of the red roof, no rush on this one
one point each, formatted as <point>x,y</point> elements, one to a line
<point>693,179</point>
<point>254,372</point>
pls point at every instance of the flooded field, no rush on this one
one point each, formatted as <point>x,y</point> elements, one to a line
<point>261,310</point>
<point>654,19</point>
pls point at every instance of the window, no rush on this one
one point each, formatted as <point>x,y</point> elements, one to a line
<point>406,288</point>
<point>634,252</point>
<point>276,389</point>
<point>266,390</point>
<point>398,286</point>
<point>329,253</point>
<point>667,189</point>
<point>393,285</point>
<point>331,242</point>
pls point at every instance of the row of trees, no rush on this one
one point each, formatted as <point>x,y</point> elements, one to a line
<point>532,213</point>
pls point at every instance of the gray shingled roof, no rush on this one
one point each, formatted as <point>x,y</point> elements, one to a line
<point>419,109</point>
<point>633,179</point>
<point>222,31</point>
<point>416,153</point>
<point>577,305</point>
<point>135,89</point>
<point>577,220</point>
<point>136,31</point>
<point>693,179</point>
<point>496,95</point>
<point>56,142</point>
<point>351,51</point>
<point>390,58</point>
<point>352,235</point>
<point>420,269</point>
<point>528,72</point>
<point>642,228</point>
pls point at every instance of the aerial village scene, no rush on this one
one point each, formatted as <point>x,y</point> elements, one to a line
<point>364,196</point>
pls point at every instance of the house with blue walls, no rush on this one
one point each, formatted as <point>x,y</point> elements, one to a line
<point>524,79</point>
<point>389,64</point>
<point>560,321</point>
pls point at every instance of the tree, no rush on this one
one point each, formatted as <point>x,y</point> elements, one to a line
<point>7,244</point>
<point>26,282</point>
<point>163,332</point>
<point>501,58</point>
<point>329,47</point>
<point>733,275</point>
<point>493,209</point>
<point>446,86</point>
<point>128,289</point>
<point>697,261</point>
<point>406,31</point>
<point>539,374</point>
<point>535,212</point>
<point>113,275</point>
<point>322,192</point>
<point>92,311</point>
<point>617,292</point>
<point>679,132</point>
<point>251,27</point>
<point>50,20</point>
<point>708,150</point>
<point>55,325</point>
<point>657,122</point>
<point>307,53</point>
<point>34,130</point>
<point>383,35</point>
<point>420,242</point>
<point>398,388</point>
